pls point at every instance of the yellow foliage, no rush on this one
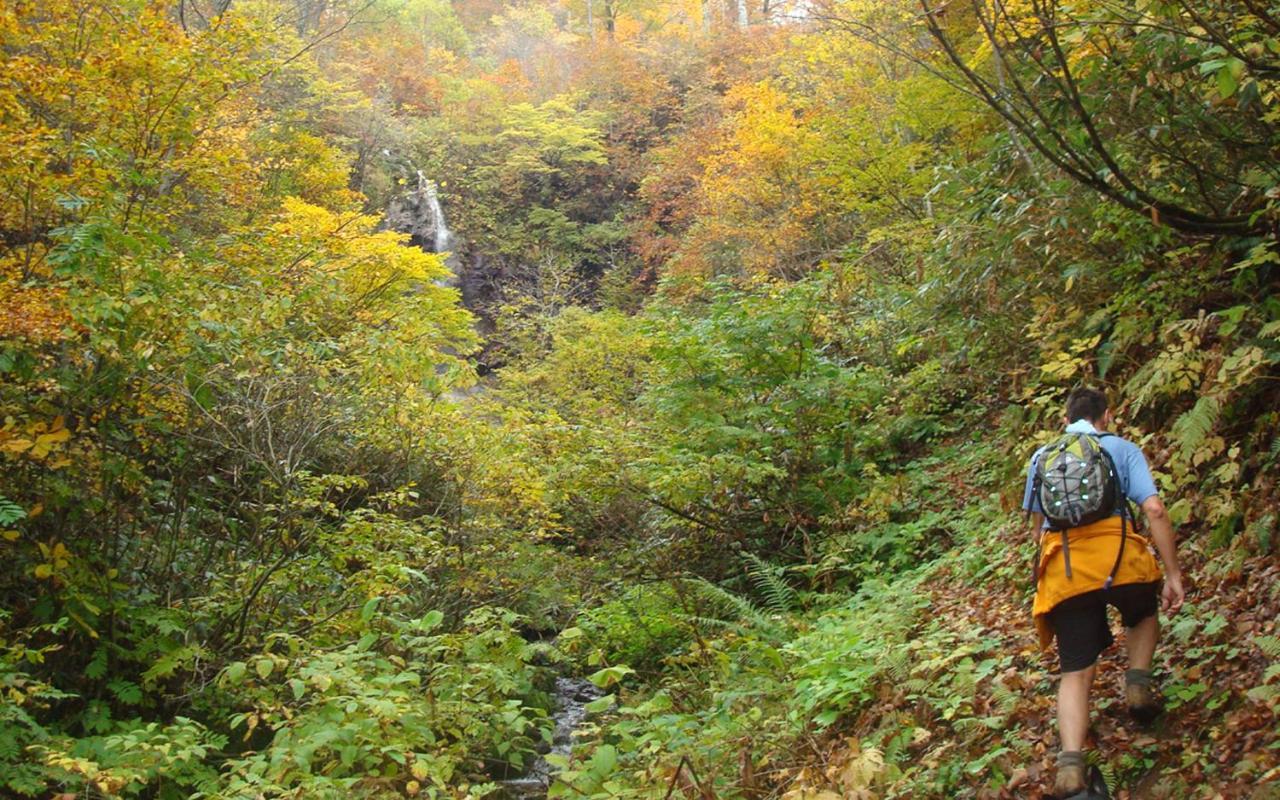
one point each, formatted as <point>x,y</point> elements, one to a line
<point>36,440</point>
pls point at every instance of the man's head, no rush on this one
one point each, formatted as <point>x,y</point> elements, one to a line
<point>1087,404</point>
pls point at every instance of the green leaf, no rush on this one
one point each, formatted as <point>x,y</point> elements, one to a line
<point>825,719</point>
<point>369,609</point>
<point>299,688</point>
<point>264,667</point>
<point>604,760</point>
<point>556,760</point>
<point>601,704</point>
<point>1227,83</point>
<point>235,671</point>
<point>610,675</point>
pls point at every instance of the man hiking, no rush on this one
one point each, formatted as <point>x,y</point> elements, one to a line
<point>1077,495</point>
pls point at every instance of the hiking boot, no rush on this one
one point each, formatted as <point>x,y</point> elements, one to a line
<point>1071,778</point>
<point>1144,706</point>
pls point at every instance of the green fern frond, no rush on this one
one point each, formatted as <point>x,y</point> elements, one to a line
<point>770,582</point>
<point>1006,699</point>
<point>10,512</point>
<point>703,621</point>
<point>1267,695</point>
<point>894,748</point>
<point>1269,645</point>
<point>1193,427</point>
<point>742,612</point>
<point>897,663</point>
<point>1022,746</point>
<point>1108,771</point>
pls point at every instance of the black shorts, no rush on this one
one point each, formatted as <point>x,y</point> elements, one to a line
<point>1080,622</point>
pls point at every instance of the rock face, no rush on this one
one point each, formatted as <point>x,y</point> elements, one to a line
<point>420,214</point>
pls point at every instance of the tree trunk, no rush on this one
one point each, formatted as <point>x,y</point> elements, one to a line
<point>591,19</point>
<point>744,16</point>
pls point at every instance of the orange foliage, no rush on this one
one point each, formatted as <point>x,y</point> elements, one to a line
<point>34,314</point>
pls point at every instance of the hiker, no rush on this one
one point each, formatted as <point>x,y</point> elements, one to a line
<point>1091,557</point>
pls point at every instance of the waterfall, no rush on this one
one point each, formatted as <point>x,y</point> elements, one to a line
<point>419,213</point>
<point>431,194</point>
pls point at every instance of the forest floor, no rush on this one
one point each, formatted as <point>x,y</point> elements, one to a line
<point>1216,739</point>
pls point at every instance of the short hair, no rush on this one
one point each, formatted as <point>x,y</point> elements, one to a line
<point>1086,403</point>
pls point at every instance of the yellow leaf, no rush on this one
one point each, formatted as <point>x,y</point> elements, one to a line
<point>44,571</point>
<point>10,536</point>
<point>54,437</point>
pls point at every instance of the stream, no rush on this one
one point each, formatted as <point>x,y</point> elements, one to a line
<point>572,696</point>
<point>420,213</point>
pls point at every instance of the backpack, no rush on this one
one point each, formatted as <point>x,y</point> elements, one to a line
<point>1077,484</point>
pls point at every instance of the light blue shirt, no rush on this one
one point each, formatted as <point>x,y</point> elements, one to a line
<point>1131,467</point>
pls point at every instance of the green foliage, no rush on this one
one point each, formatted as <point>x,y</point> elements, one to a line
<point>839,663</point>
<point>771,320</point>
<point>758,414</point>
<point>641,628</point>
<point>136,759</point>
<point>418,706</point>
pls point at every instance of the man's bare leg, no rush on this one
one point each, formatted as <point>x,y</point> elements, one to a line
<point>1073,726</point>
<point>1141,643</point>
<point>1073,707</point>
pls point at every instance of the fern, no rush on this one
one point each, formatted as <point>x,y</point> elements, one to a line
<point>10,512</point>
<point>1108,771</point>
<point>915,686</point>
<point>897,663</point>
<point>1022,746</point>
<point>1269,645</point>
<point>745,615</point>
<point>1193,427</point>
<point>1005,698</point>
<point>703,621</point>
<point>779,596</point>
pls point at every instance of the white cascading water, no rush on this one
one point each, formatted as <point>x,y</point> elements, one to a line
<point>429,191</point>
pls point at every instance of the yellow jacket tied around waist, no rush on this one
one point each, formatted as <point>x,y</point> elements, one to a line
<point>1093,551</point>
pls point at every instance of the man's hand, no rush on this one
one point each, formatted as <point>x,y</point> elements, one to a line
<point>1172,595</point>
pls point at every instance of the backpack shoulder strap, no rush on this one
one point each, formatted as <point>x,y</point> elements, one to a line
<point>1122,506</point>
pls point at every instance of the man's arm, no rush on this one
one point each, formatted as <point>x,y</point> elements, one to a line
<point>1162,534</point>
<point>1030,504</point>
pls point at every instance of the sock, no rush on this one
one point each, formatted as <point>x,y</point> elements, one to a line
<point>1071,758</point>
<point>1137,677</point>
